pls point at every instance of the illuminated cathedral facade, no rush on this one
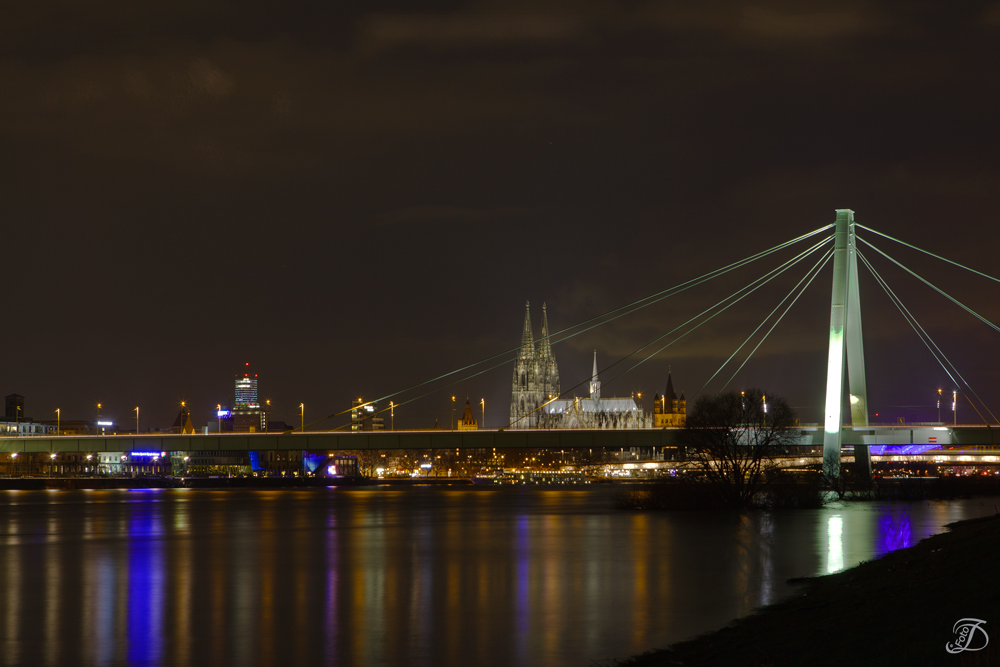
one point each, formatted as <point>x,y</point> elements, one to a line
<point>535,394</point>
<point>536,376</point>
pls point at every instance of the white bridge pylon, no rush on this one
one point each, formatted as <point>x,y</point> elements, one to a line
<point>845,340</point>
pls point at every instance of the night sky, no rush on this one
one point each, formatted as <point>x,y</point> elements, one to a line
<point>355,197</point>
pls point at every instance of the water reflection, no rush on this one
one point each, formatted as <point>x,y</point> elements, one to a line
<point>834,543</point>
<point>416,577</point>
<point>894,531</point>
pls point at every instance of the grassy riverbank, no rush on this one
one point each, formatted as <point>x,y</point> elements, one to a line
<point>897,610</point>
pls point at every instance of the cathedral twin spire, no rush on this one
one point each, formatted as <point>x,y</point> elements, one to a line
<point>527,337</point>
<point>536,374</point>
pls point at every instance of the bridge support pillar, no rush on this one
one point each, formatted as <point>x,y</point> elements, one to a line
<point>845,341</point>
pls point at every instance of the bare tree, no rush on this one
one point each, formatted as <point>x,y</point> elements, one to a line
<point>733,439</point>
<point>369,460</point>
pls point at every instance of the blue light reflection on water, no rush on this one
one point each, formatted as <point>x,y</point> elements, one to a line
<point>894,531</point>
<point>146,587</point>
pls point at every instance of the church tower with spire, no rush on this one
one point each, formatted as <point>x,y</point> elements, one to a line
<point>548,369</point>
<point>536,375</point>
<point>595,383</point>
<point>668,410</point>
<point>526,389</point>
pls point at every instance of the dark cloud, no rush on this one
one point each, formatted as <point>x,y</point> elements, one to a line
<point>358,196</point>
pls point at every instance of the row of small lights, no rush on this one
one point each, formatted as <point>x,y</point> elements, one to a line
<point>90,457</point>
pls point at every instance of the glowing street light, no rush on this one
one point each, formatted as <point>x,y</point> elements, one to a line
<point>392,416</point>
<point>137,420</point>
<point>218,414</point>
<point>482,401</point>
<point>302,414</point>
<point>954,405</point>
<point>57,421</point>
<point>452,413</point>
<point>939,405</point>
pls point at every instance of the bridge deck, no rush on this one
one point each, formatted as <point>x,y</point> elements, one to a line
<point>525,439</point>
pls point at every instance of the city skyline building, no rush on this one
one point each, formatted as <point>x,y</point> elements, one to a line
<point>14,407</point>
<point>246,390</point>
<point>247,415</point>
<point>364,417</point>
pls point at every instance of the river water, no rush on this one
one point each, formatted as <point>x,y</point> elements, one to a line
<point>422,576</point>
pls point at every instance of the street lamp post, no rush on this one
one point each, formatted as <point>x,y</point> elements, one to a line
<point>452,413</point>
<point>218,415</point>
<point>302,415</point>
<point>137,420</point>
<point>482,401</point>
<point>392,416</point>
<point>939,406</point>
<point>954,405</point>
<point>57,421</point>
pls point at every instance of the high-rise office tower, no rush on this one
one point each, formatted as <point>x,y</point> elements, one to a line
<point>246,390</point>
<point>247,415</point>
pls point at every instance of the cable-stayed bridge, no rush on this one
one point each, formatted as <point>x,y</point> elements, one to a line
<point>845,361</point>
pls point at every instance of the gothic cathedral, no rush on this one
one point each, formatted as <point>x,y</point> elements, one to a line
<point>535,395</point>
<point>536,375</point>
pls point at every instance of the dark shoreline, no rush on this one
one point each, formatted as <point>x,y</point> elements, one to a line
<point>896,610</point>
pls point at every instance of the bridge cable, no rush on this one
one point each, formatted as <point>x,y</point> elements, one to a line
<point>629,308</point>
<point>923,335</point>
<point>815,270</point>
<point>956,302</point>
<point>735,298</point>
<point>934,287</point>
<point>507,361</point>
<point>927,252</point>
<point>906,315</point>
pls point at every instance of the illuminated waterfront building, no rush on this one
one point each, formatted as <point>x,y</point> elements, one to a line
<point>15,423</point>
